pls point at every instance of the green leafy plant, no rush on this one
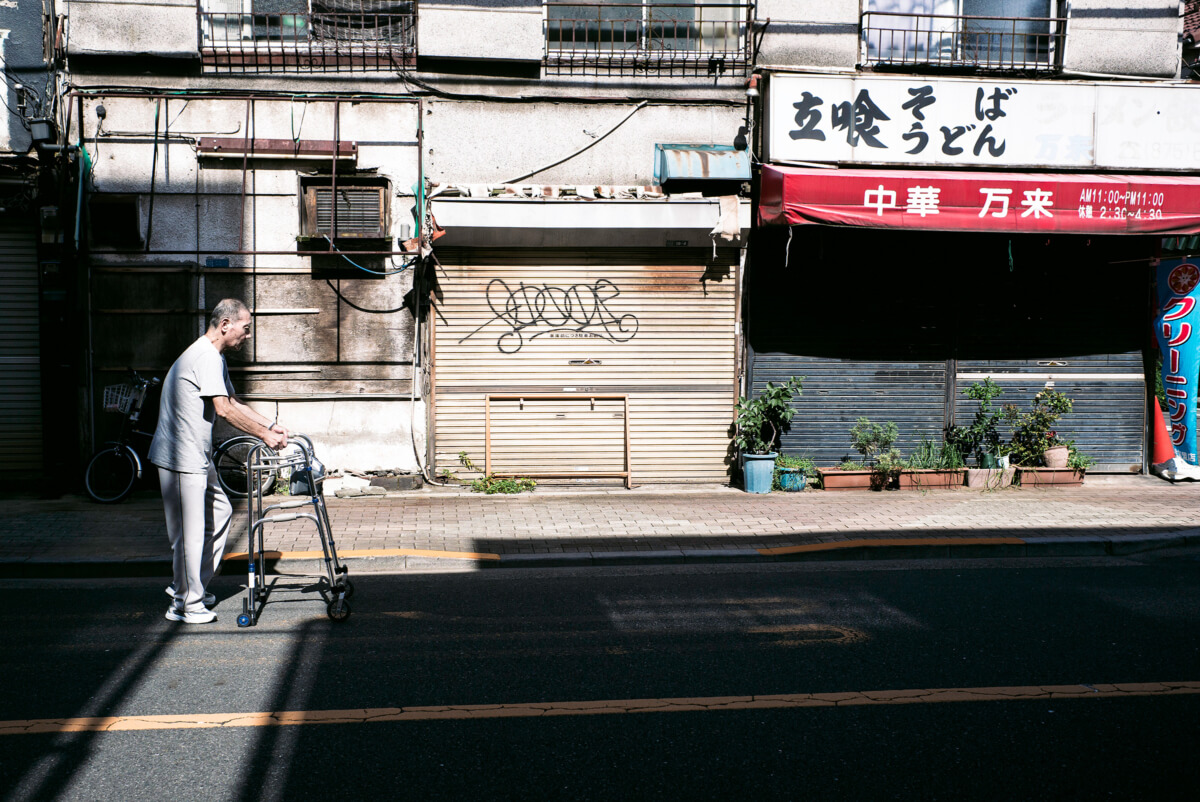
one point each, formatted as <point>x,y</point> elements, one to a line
<point>1079,462</point>
<point>760,420</point>
<point>949,457</point>
<point>490,483</point>
<point>888,465</point>
<point>871,439</point>
<point>925,456</point>
<point>1033,431</point>
<point>982,435</point>
<point>851,465</point>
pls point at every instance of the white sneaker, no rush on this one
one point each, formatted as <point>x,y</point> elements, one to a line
<point>197,617</point>
<point>209,599</point>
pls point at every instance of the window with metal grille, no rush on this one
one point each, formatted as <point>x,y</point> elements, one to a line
<point>703,36</point>
<point>307,35</point>
<point>361,208</point>
<point>988,34</point>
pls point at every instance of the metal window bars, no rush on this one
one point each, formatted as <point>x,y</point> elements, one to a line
<point>649,38</point>
<point>963,41</point>
<point>335,36</point>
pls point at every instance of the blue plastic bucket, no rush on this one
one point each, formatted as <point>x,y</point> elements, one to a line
<point>758,470</point>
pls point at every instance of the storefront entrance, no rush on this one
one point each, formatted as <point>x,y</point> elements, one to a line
<point>895,324</point>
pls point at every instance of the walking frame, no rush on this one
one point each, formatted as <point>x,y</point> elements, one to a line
<point>307,480</point>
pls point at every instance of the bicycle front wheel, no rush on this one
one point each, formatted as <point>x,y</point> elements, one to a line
<point>111,474</point>
<point>230,460</point>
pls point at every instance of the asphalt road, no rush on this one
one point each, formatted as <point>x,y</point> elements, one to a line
<point>705,683</point>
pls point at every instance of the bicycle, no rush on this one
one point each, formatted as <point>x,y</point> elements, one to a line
<point>230,459</point>
<point>113,471</point>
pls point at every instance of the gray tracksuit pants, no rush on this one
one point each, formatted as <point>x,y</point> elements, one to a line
<point>198,513</point>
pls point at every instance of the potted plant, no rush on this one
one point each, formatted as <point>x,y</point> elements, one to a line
<point>792,474</point>
<point>760,421</point>
<point>933,466</point>
<point>875,471</point>
<point>1040,454</point>
<point>981,437</point>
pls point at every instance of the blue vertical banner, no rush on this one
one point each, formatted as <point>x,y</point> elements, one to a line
<point>1177,327</point>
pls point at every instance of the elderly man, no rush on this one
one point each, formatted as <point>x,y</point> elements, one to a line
<point>196,390</point>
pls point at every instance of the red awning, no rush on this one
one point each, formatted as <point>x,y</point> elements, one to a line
<point>945,200</point>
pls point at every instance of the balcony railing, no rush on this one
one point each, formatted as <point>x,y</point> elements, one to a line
<point>710,39</point>
<point>309,42</point>
<point>941,40</point>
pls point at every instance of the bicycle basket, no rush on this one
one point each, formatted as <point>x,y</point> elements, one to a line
<point>118,397</point>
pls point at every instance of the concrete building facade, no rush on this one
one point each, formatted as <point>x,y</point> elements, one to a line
<point>405,190</point>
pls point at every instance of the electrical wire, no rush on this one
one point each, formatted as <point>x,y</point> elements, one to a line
<point>591,144</point>
<point>358,308</point>
<point>395,272</point>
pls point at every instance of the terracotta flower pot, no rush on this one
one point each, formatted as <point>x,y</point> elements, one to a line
<point>833,479</point>
<point>1063,477</point>
<point>990,478</point>
<point>929,479</point>
<point>1056,457</point>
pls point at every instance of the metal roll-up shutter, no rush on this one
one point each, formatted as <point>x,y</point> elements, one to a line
<point>545,359</point>
<point>839,391</point>
<point>1107,391</point>
<point>21,388</point>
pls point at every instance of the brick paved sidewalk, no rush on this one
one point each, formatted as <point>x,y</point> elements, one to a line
<point>438,524</point>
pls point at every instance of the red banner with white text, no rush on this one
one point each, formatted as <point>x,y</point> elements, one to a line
<point>945,200</point>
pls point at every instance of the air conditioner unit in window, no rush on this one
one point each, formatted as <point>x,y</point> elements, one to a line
<point>362,210</point>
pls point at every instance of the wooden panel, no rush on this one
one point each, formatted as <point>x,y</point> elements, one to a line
<point>663,334</point>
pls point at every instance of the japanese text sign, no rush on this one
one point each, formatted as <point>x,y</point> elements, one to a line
<point>1178,330</point>
<point>940,200</point>
<point>971,122</point>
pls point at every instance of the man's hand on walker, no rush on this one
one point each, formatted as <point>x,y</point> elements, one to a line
<point>276,437</point>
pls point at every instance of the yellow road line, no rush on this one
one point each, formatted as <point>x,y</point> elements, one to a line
<point>899,541</point>
<point>317,555</point>
<point>192,721</point>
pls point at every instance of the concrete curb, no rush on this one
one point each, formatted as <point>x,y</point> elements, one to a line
<point>381,561</point>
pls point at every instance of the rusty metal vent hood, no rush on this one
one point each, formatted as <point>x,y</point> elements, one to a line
<point>710,169</point>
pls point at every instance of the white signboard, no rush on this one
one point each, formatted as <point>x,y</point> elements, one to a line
<point>914,120</point>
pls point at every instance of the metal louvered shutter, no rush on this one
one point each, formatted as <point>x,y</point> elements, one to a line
<point>361,211</point>
<point>839,391</point>
<point>1107,391</point>
<point>654,328</point>
<point>21,384</point>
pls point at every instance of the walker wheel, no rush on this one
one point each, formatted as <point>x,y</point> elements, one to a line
<point>338,609</point>
<point>346,587</point>
<point>243,620</point>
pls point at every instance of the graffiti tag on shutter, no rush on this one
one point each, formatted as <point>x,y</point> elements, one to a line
<point>531,311</point>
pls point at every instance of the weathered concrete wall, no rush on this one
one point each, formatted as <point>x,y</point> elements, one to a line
<point>476,142</point>
<point>356,435</point>
<point>806,34</point>
<point>132,27</point>
<point>507,30</point>
<point>1133,37</point>
<point>21,55</point>
<point>336,356</point>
